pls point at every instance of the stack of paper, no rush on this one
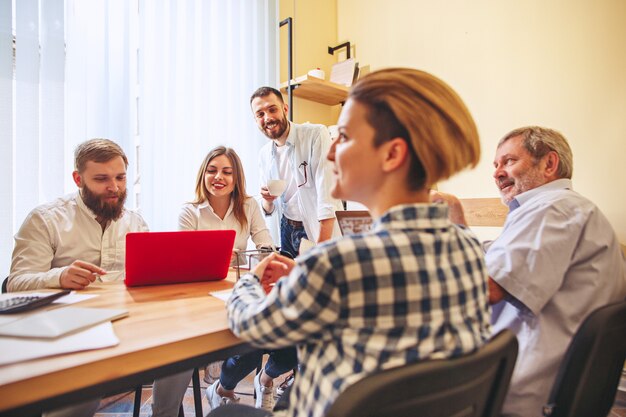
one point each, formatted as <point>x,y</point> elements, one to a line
<point>17,349</point>
<point>62,330</point>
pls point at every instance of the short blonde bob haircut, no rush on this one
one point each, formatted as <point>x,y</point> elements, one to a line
<point>428,114</point>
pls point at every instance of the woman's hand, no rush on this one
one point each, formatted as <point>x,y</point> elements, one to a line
<point>271,268</point>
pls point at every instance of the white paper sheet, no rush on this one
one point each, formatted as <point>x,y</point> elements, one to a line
<point>17,349</point>
<point>73,297</point>
<point>222,295</point>
<point>60,322</point>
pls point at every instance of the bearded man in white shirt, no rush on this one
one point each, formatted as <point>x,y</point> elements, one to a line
<point>80,238</point>
<point>296,154</point>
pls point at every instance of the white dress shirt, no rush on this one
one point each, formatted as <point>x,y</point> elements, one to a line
<point>202,217</point>
<point>307,147</point>
<point>60,232</point>
<point>559,259</point>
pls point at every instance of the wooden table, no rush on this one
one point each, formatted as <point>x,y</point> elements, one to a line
<point>170,328</point>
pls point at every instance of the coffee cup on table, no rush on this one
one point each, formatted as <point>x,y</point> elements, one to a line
<point>276,187</point>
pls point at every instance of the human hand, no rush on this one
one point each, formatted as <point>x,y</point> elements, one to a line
<point>271,268</point>
<point>79,275</point>
<point>455,212</point>
<point>265,193</point>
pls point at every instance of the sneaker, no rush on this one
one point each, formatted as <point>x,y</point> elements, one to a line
<point>280,390</point>
<point>264,395</point>
<point>212,372</point>
<point>215,400</point>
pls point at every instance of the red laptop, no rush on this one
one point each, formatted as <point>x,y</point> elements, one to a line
<point>155,258</point>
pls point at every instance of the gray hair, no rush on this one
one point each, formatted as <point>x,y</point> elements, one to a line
<point>538,141</point>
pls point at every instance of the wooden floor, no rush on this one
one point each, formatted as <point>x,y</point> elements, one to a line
<point>122,405</point>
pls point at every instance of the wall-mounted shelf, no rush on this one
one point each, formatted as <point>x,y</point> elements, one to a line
<point>318,90</point>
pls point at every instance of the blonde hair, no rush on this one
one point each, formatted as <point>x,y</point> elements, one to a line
<point>428,114</point>
<point>97,150</point>
<point>239,196</point>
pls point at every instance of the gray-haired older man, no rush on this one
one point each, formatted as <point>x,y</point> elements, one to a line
<point>556,260</point>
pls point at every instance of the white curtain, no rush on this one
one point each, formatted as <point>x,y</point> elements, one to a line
<point>167,80</point>
<point>200,62</point>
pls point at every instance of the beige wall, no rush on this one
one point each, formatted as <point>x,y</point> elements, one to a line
<point>314,30</point>
<point>560,64</point>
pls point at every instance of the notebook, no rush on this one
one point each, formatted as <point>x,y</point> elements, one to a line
<point>59,322</point>
<point>354,221</point>
<point>155,258</point>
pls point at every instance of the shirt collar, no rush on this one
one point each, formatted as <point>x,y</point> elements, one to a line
<point>415,216</point>
<point>560,184</point>
<point>291,137</point>
<point>205,205</point>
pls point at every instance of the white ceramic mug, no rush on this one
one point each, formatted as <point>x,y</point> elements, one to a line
<point>276,187</point>
<point>317,73</point>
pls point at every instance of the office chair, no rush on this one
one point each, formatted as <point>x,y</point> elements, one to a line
<point>4,285</point>
<point>590,371</point>
<point>472,385</point>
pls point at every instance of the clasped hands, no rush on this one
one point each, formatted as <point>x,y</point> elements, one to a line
<point>272,268</point>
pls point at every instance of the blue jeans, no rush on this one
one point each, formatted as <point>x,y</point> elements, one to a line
<point>290,237</point>
<point>235,368</point>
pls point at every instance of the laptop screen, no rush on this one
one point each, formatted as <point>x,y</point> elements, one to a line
<point>354,221</point>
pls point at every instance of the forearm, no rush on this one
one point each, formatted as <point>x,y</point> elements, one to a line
<point>300,304</point>
<point>268,206</point>
<point>24,281</point>
<point>326,230</point>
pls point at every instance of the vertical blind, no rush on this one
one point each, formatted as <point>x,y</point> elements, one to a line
<point>168,80</point>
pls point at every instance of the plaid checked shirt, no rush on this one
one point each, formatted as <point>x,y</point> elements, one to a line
<point>413,288</point>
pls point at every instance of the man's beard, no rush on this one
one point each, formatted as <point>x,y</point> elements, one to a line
<point>102,209</point>
<point>283,123</point>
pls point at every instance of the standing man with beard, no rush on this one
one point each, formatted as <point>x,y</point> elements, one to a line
<point>79,238</point>
<point>297,154</point>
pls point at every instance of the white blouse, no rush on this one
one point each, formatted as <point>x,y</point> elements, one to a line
<point>202,217</point>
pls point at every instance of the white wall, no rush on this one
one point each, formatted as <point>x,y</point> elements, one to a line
<point>558,63</point>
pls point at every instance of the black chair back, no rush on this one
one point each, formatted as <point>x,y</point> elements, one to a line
<point>4,285</point>
<point>590,371</point>
<point>472,385</point>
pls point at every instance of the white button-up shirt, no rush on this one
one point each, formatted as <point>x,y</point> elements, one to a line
<point>308,145</point>
<point>202,217</point>
<point>560,259</point>
<point>60,232</point>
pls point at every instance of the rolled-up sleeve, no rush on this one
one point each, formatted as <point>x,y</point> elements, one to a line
<point>300,305</point>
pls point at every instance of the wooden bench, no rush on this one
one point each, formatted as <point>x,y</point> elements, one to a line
<point>484,211</point>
